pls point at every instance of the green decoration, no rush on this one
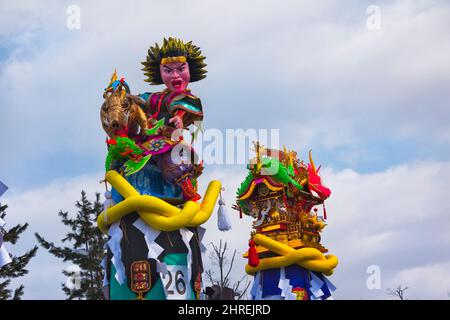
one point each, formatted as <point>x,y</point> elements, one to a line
<point>125,149</point>
<point>154,130</point>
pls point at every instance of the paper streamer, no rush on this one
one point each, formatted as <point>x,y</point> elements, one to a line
<point>114,245</point>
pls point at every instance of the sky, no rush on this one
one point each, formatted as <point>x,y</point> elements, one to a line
<point>372,104</point>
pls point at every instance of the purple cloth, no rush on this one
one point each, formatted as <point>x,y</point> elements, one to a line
<point>171,172</point>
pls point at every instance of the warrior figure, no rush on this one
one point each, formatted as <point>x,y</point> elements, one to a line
<point>175,64</point>
<point>151,214</point>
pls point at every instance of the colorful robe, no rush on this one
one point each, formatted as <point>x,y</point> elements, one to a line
<point>174,258</point>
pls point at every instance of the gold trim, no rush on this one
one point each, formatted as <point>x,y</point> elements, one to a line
<point>253,185</point>
<point>173,59</point>
<point>271,228</point>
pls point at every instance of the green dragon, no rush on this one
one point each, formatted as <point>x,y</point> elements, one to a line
<point>274,168</point>
<point>125,149</point>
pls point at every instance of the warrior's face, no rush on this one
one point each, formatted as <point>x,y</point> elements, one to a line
<point>175,75</point>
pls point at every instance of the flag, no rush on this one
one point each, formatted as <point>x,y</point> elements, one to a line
<point>3,188</point>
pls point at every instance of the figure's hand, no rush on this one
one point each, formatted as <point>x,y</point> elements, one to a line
<point>177,121</point>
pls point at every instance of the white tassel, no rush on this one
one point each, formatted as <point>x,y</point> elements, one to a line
<point>2,231</point>
<point>5,257</point>
<point>109,202</point>
<point>223,219</point>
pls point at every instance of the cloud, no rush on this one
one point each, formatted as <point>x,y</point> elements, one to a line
<point>345,86</point>
<point>389,219</point>
<point>424,282</point>
<point>373,101</point>
<point>386,219</point>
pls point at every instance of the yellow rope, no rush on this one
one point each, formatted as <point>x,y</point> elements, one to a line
<point>308,258</point>
<point>155,212</point>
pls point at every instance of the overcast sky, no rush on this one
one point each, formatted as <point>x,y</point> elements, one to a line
<point>371,103</point>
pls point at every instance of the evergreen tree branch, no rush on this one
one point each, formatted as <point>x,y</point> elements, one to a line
<point>13,234</point>
<point>86,249</point>
<point>16,268</point>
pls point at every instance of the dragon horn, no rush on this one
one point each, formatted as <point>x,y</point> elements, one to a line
<point>285,154</point>
<point>291,159</point>
<point>312,162</point>
<point>113,77</point>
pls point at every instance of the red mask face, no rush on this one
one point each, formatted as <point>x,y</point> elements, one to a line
<point>175,75</point>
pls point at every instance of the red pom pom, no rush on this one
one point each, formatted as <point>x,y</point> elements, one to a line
<point>111,141</point>
<point>253,259</point>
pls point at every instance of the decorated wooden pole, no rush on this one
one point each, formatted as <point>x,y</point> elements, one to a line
<point>153,213</point>
<point>285,255</point>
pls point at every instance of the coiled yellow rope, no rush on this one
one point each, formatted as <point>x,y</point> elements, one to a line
<point>308,258</point>
<point>155,212</point>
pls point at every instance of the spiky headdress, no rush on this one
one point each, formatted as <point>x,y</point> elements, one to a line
<point>171,49</point>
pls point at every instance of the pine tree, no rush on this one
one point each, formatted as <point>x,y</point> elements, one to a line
<point>16,268</point>
<point>86,251</point>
